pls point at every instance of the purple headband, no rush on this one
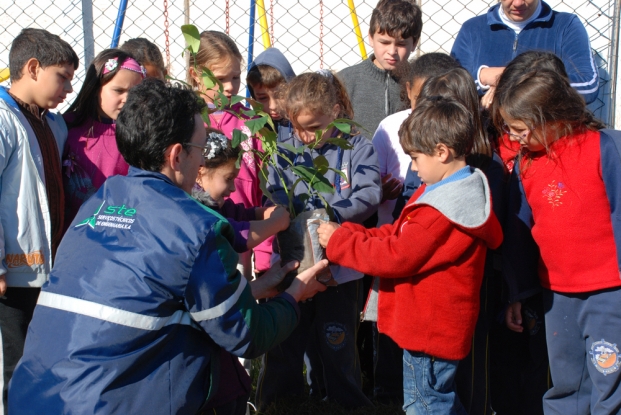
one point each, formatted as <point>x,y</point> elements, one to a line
<point>130,64</point>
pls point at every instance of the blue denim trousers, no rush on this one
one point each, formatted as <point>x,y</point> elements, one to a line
<point>429,385</point>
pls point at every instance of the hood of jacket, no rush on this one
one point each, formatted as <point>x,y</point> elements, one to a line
<point>468,204</point>
<point>274,58</point>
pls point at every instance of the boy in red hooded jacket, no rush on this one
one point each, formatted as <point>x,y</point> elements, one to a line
<point>430,261</point>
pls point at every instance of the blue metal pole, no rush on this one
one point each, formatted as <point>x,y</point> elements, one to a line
<point>118,26</point>
<point>251,40</point>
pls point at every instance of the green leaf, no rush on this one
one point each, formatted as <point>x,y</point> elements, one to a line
<point>339,172</point>
<point>192,37</point>
<point>304,197</point>
<point>256,105</point>
<point>237,138</point>
<point>208,80</point>
<point>249,113</point>
<point>321,163</point>
<point>295,150</point>
<point>223,100</point>
<point>342,127</point>
<point>205,117</point>
<point>256,124</point>
<point>340,142</point>
<point>313,178</point>
<point>236,99</point>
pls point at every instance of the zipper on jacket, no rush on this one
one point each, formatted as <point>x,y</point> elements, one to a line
<point>386,95</point>
<point>515,43</point>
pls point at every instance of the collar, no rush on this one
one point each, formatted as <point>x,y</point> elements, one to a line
<point>8,98</point>
<point>493,16</point>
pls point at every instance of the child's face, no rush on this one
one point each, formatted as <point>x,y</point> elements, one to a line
<point>389,51</point>
<point>218,182</point>
<point>520,133</point>
<point>429,167</point>
<point>113,95</point>
<point>53,83</point>
<point>308,122</point>
<point>229,74</point>
<point>414,90</point>
<point>268,97</point>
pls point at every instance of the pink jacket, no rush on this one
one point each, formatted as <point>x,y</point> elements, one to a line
<point>247,183</point>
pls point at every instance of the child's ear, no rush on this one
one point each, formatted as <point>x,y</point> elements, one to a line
<point>195,77</point>
<point>31,68</point>
<point>407,89</point>
<point>443,152</point>
<point>336,110</point>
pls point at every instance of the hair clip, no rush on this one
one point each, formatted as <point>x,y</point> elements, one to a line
<point>217,142</point>
<point>110,65</point>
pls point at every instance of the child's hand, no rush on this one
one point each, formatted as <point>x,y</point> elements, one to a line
<point>513,317</point>
<point>391,187</point>
<point>325,232</point>
<point>279,215</point>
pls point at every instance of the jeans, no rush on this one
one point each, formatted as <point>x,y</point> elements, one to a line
<point>429,385</point>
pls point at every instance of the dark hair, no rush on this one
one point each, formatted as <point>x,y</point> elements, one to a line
<point>423,67</point>
<point>215,48</point>
<point>397,18</point>
<point>47,48</point>
<point>223,155</point>
<point>155,116</point>
<point>458,84</point>
<point>318,93</point>
<point>438,120</point>
<point>265,75</point>
<point>542,96</point>
<point>145,52</point>
<point>86,104</point>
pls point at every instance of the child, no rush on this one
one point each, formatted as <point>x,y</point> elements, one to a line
<point>219,54</point>
<point>394,32</point>
<point>313,101</point>
<point>214,184</point>
<point>566,177</point>
<point>432,257</point>
<point>91,155</point>
<point>393,161</point>
<point>31,192</point>
<point>268,72</point>
<point>148,55</point>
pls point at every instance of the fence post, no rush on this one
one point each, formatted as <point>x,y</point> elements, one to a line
<point>118,26</point>
<point>87,27</point>
<point>250,40</point>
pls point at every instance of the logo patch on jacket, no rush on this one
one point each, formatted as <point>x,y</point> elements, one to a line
<point>335,334</point>
<point>605,356</point>
<point>344,182</point>
<point>119,217</point>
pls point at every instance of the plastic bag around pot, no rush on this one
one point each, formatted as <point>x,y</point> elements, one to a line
<point>300,242</point>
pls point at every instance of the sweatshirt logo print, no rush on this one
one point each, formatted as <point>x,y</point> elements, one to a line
<point>554,192</point>
<point>605,357</point>
<point>119,217</point>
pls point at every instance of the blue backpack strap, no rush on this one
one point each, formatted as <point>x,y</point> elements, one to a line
<point>610,148</point>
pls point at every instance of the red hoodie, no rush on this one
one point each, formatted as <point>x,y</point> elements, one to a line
<point>430,263</point>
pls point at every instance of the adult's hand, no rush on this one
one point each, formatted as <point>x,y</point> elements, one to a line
<point>391,187</point>
<point>2,284</point>
<point>490,76</point>
<point>265,285</point>
<point>305,285</point>
<point>488,98</point>
<point>513,317</point>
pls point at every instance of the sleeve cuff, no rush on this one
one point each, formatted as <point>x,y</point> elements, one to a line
<point>481,85</point>
<point>291,300</point>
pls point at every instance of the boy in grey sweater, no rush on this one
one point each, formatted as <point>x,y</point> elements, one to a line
<point>374,92</point>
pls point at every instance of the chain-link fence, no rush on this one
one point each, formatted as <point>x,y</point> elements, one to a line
<point>311,33</point>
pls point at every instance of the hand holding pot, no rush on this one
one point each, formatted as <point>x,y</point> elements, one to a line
<point>325,232</point>
<point>305,286</point>
<point>279,215</point>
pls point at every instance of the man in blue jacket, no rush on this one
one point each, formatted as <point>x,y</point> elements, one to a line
<point>486,44</point>
<point>145,293</point>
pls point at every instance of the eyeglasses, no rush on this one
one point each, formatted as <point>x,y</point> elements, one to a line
<point>204,152</point>
<point>507,130</point>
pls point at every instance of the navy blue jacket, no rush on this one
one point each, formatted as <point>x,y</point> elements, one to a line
<point>143,295</point>
<point>486,40</point>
